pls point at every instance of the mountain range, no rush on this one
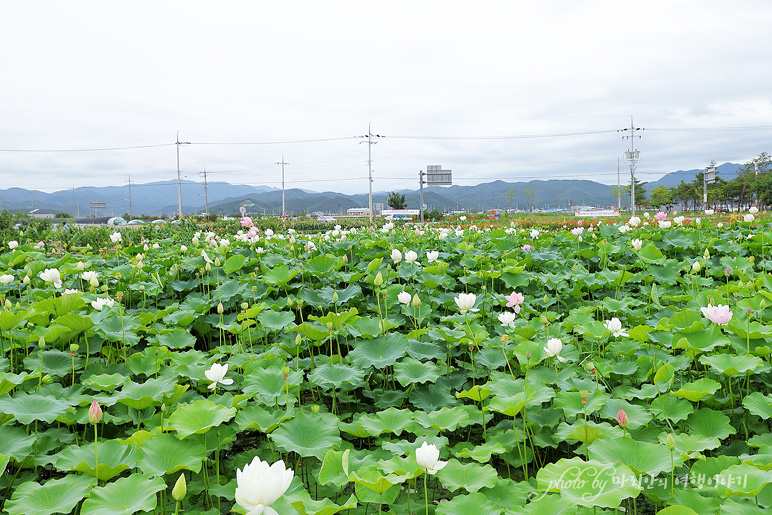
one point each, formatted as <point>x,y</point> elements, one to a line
<point>160,198</point>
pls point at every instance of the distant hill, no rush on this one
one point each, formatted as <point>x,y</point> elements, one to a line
<point>726,171</point>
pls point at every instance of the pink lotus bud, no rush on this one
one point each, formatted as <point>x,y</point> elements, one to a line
<point>94,412</point>
<point>622,418</point>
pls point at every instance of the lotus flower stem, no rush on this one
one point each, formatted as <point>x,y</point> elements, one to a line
<point>426,493</point>
<point>96,456</point>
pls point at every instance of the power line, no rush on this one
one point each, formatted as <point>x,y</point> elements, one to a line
<point>84,149</point>
<point>270,142</point>
<point>525,136</point>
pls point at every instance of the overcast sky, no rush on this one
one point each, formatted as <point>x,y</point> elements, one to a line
<point>509,90</point>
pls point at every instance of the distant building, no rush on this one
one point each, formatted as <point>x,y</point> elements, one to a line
<point>358,211</point>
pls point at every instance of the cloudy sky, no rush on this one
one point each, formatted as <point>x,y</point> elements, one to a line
<point>513,90</point>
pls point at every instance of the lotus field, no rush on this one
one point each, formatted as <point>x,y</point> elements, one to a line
<point>505,369</point>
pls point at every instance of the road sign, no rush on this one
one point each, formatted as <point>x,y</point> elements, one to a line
<point>436,176</point>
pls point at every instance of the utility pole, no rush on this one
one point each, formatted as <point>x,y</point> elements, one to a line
<point>619,190</point>
<point>131,212</point>
<point>179,178</point>
<point>73,201</point>
<point>282,163</point>
<point>632,155</point>
<point>206,194</point>
<point>370,136</point>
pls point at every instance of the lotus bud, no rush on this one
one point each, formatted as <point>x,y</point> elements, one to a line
<point>94,412</point>
<point>220,309</point>
<point>289,302</point>
<point>244,305</point>
<point>25,280</point>
<point>706,254</point>
<point>345,258</point>
<point>622,418</point>
<point>208,267</point>
<point>528,355</point>
<point>298,339</point>
<point>416,300</point>
<point>180,488</point>
<point>315,408</point>
<point>378,281</point>
<point>145,246</point>
<point>763,303</point>
<point>93,282</point>
<point>183,248</point>
<point>670,442</point>
<point>81,266</point>
<point>696,266</point>
<point>195,240</point>
<point>335,297</point>
<point>47,379</point>
<point>8,304</point>
<point>728,272</point>
<point>42,343</point>
<point>748,311</point>
<point>292,240</point>
<point>590,367</point>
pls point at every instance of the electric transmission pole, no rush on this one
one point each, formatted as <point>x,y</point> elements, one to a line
<point>632,155</point>
<point>282,163</point>
<point>370,137</point>
<point>131,212</point>
<point>179,178</point>
<point>206,194</point>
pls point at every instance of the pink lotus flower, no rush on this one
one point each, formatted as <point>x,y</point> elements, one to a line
<point>719,314</point>
<point>660,216</point>
<point>246,222</point>
<point>577,231</point>
<point>622,418</point>
<point>515,300</point>
<point>526,247</point>
<point>94,412</point>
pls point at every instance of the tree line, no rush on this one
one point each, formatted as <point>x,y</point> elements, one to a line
<point>752,185</point>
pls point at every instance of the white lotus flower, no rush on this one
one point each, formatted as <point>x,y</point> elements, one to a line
<point>13,244</point>
<point>507,319</point>
<point>709,212</point>
<point>396,255</point>
<point>404,298</point>
<point>432,255</point>
<point>753,210</point>
<point>260,485</point>
<point>427,456</point>
<point>615,326</point>
<point>410,256</point>
<point>535,233</point>
<point>637,244</point>
<point>465,302</point>
<point>634,221</point>
<point>748,218</point>
<point>101,302</point>
<point>116,237</point>
<point>216,374</point>
<point>553,348</point>
<point>51,275</point>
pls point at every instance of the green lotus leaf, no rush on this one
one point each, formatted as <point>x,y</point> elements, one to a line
<point>75,322</point>
<point>411,371</point>
<point>10,381</point>
<point>482,453</point>
<point>691,446</point>
<point>55,363</point>
<point>55,496</point>
<point>702,341</point>
<point>432,397</point>
<point>336,376</point>
<point>165,454</point>
<point>269,386</point>
<point>475,503</point>
<point>275,320</point>
<point>374,480</point>
<point>677,510</point>
<point>470,476</point>
<point>392,420</point>
<point>637,415</point>
<point>308,434</point>
<point>571,402</point>
<point>509,494</point>
<point>742,479</point>
<point>198,417</point>
<point>732,365</point>
<point>709,423</point>
<point>444,419</point>
<point>643,457</point>
<point>305,505</point>
<point>125,496</point>
<point>511,406</point>
<point>589,483</point>
<point>114,458</point>
<point>17,444</point>
<point>29,407</point>
<point>177,338</point>
<point>697,390</point>
<point>670,408</point>
<point>380,352</point>
<point>151,392</point>
<point>335,468</point>
<point>234,263</point>
<point>476,393</point>
<point>262,419</point>
<point>105,382</point>
<point>759,404</point>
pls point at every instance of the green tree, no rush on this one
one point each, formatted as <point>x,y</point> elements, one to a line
<point>662,196</point>
<point>530,193</point>
<point>396,201</point>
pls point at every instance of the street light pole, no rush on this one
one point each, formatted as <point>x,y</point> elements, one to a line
<point>179,177</point>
